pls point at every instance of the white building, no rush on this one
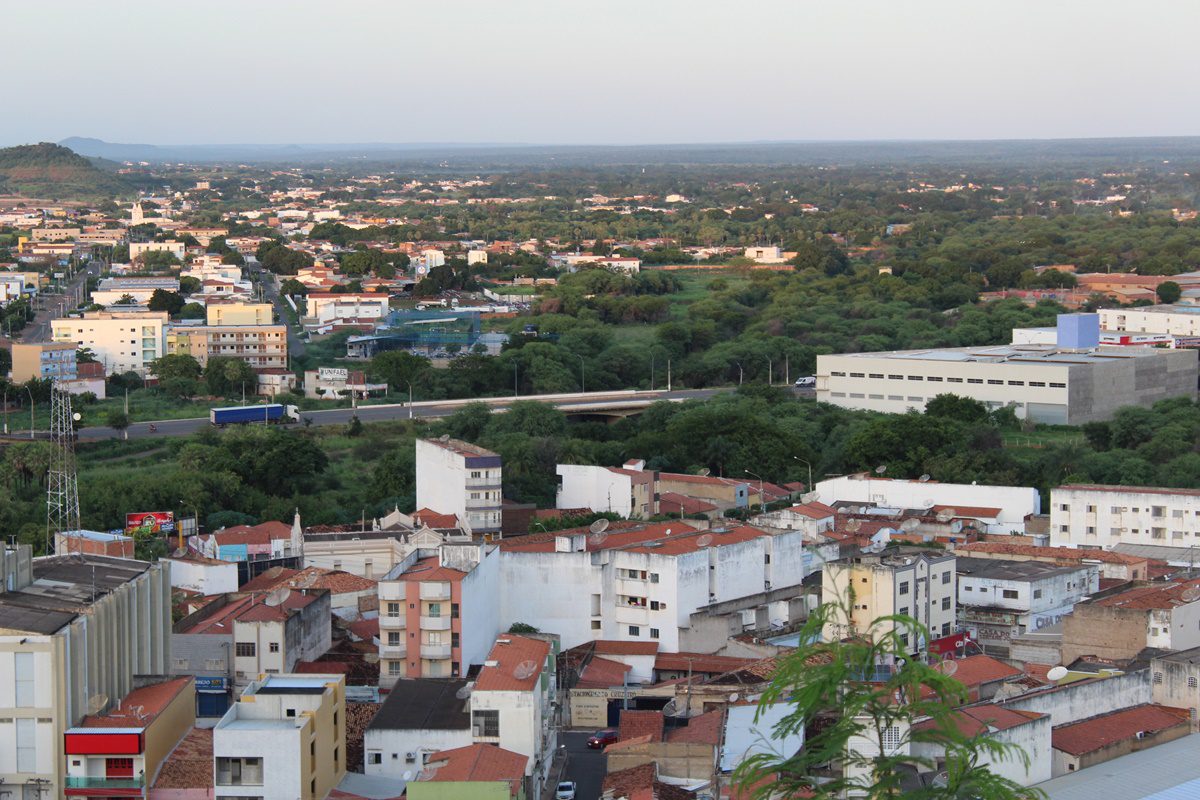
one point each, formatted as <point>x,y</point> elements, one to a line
<point>629,493</point>
<point>1013,503</point>
<point>1098,516</point>
<point>765,255</point>
<point>432,258</point>
<point>477,257</point>
<point>285,739</point>
<point>1173,320</point>
<point>177,249</point>
<point>512,702</point>
<point>812,518</point>
<point>203,575</point>
<point>1070,383</point>
<point>913,582</point>
<point>118,291</point>
<point>333,308</point>
<point>123,341</point>
<point>462,479</point>
<point>641,583</point>
<point>419,718</point>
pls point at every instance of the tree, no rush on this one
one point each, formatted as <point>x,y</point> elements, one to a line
<point>355,427</point>
<point>162,300</point>
<point>882,726</point>
<point>952,406</point>
<point>83,355</point>
<point>189,285</point>
<point>229,377</point>
<point>1168,292</point>
<point>192,311</point>
<point>119,421</point>
<point>234,258</point>
<point>158,259</point>
<point>293,287</point>
<point>822,255</point>
<point>398,368</point>
<point>176,365</point>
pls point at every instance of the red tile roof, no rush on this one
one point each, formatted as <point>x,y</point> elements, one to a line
<point>974,720</point>
<point>693,541</point>
<point>263,533</point>
<point>475,763</point>
<point>672,502</point>
<point>977,670</point>
<point>974,512</point>
<point>1151,597</point>
<point>699,662</point>
<point>336,581</point>
<point>190,764</point>
<point>429,569</point>
<point>1100,732</point>
<point>434,519</point>
<point>612,647</point>
<point>139,708</point>
<point>813,510</point>
<point>636,724</point>
<point>1060,553</point>
<point>703,729</point>
<point>518,663</point>
<point>602,673</point>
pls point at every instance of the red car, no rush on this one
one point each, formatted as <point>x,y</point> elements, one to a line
<point>602,739</point>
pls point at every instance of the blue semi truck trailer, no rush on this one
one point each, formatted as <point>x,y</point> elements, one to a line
<point>238,415</point>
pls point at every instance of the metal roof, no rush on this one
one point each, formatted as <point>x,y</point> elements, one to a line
<point>1169,771</point>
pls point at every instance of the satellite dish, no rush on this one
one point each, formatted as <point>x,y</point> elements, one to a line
<point>705,540</point>
<point>853,525</point>
<point>811,497</point>
<point>910,524</point>
<point>941,780</point>
<point>927,503</point>
<point>179,552</point>
<point>923,478</point>
<point>277,597</point>
<point>946,514</point>
<point>371,658</point>
<point>97,703</point>
<point>1057,673</point>
<point>599,526</point>
<point>445,437</point>
<point>882,468</point>
<point>704,473</point>
<point>77,416</point>
<point>526,669</point>
<point>948,667</point>
<point>1190,595</point>
<point>733,698</point>
<point>674,709</point>
<point>463,692</point>
<point>408,775</point>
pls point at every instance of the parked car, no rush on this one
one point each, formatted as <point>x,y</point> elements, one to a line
<point>806,381</point>
<point>565,791</point>
<point>602,739</point>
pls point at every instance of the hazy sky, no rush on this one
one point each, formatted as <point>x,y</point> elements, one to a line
<point>596,71</point>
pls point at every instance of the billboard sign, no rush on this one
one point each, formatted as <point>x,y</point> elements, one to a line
<point>333,374</point>
<point>150,523</point>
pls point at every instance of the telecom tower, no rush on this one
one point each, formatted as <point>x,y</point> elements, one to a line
<point>62,485</point>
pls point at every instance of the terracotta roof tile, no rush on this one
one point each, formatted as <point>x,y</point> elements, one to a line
<point>518,666</point>
<point>1099,732</point>
<point>149,702</point>
<point>703,729</point>
<point>613,647</point>
<point>190,764</point>
<point>699,662</point>
<point>1062,553</point>
<point>429,569</point>
<point>980,669</point>
<point>602,673</point>
<point>476,762</point>
<point>1151,597</point>
<point>635,724</point>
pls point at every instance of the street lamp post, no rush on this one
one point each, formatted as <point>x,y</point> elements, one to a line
<point>761,497</point>
<point>516,388</point>
<point>741,372</point>
<point>410,408</point>
<point>6,412</point>
<point>770,372</point>
<point>809,488</point>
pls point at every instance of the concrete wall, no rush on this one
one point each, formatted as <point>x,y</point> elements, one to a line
<point>1014,502</point>
<point>395,745</point>
<point>462,790</point>
<point>1076,701</point>
<point>689,760</point>
<point>479,613</point>
<point>1096,391</point>
<point>205,578</point>
<point>1176,684</point>
<point>1109,633</point>
<point>1033,740</point>
<point>597,488</point>
<point>1083,517</point>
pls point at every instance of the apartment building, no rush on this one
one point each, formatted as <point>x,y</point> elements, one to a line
<point>1117,627</point>
<point>1173,320</point>
<point>438,612</point>
<point>1000,599</point>
<point>641,582</point>
<point>260,346</point>
<point>123,341</point>
<point>1069,383</point>
<point>512,703</point>
<point>333,308</point>
<point>1115,566</point>
<point>418,718</point>
<point>53,360</point>
<point>118,753</point>
<point>1008,505</point>
<point>628,492</point>
<point>461,479</point>
<point>220,313</point>
<point>1096,516</point>
<point>285,739</point>
<point>131,291</point>
<point>911,582</point>
<point>74,631</point>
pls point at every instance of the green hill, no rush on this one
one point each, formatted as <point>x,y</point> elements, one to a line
<point>54,172</point>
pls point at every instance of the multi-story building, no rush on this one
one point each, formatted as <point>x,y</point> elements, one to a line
<point>1000,599</point>
<point>53,360</point>
<point>138,249</point>
<point>123,341</point>
<point>438,612</point>
<point>74,631</point>
<point>1173,320</point>
<point>225,313</point>
<point>131,291</point>
<point>630,493</point>
<point>462,479</point>
<point>1175,681</point>
<point>118,753</point>
<point>1069,383</point>
<point>643,582</point>
<point>1008,505</point>
<point>419,718</point>
<point>1095,516</point>
<point>1115,566</point>
<point>260,346</point>
<point>1117,627</point>
<point>917,583</point>
<point>285,739</point>
<point>346,308</point>
<point>512,703</point>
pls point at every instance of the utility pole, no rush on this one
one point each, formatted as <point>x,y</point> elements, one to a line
<point>668,374</point>
<point>410,408</point>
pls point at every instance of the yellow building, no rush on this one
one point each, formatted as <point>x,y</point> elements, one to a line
<point>285,737</point>
<point>122,341</point>
<point>54,360</point>
<point>239,313</point>
<point>260,346</point>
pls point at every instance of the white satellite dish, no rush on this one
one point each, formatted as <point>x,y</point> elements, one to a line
<point>946,514</point>
<point>371,658</point>
<point>811,497</point>
<point>179,552</point>
<point>77,416</point>
<point>733,698</point>
<point>1057,673</point>
<point>705,540</point>
<point>674,709</point>
<point>598,526</point>
<point>704,473</point>
<point>927,503</point>
<point>277,597</point>
<point>464,692</point>
<point>853,524</point>
<point>910,524</point>
<point>1190,595</point>
<point>882,468</point>
<point>408,775</point>
<point>526,669</point>
<point>445,437</point>
<point>924,478</point>
<point>948,667</point>
<point>97,703</point>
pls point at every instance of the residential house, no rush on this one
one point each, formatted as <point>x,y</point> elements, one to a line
<point>1113,566</point>
<point>481,771</point>
<point>1175,682</point>
<point>1095,516</point>
<point>418,718</point>
<point>1092,741</point>
<point>629,492</point>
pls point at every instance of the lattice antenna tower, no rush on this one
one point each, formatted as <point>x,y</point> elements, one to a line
<point>62,483</point>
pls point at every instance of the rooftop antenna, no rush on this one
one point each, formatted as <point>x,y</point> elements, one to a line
<point>62,484</point>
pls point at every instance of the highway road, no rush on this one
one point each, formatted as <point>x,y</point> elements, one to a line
<point>579,402</point>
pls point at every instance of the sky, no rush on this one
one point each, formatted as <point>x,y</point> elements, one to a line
<point>596,71</point>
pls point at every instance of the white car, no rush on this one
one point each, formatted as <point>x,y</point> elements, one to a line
<point>565,791</point>
<point>808,380</point>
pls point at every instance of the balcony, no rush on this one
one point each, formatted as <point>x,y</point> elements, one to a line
<point>483,483</point>
<point>440,623</point>
<point>435,652</point>
<point>435,591</point>
<point>392,623</point>
<point>393,652</point>
<point>100,786</point>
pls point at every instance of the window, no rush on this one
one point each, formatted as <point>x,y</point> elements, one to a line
<point>856,375</point>
<point>1191,682</point>
<point>393,639</point>
<point>1058,385</point>
<point>1016,383</point>
<point>914,377</point>
<point>934,378</point>
<point>246,771</point>
<point>954,380</point>
<point>895,377</point>
<point>903,611</point>
<point>454,611</point>
<point>903,587</point>
<point>877,376</point>
<point>994,382</point>
<point>26,744</point>
<point>945,604</point>
<point>1158,511</point>
<point>394,668</point>
<point>1158,677</point>
<point>654,605</point>
<point>945,629</point>
<point>595,624</point>
<point>1040,384</point>
<point>393,610</point>
<point>1037,593</point>
<point>246,649</point>
<point>485,722</point>
<point>654,577</point>
<point>634,630</point>
<point>273,647</point>
<point>974,380</point>
<point>374,758</point>
<point>24,678</point>
<point>454,639</point>
<point>654,633</point>
<point>1010,594</point>
<point>838,374</point>
<point>946,576</point>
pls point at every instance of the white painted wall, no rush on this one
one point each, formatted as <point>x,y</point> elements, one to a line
<point>597,488</point>
<point>1107,516</point>
<point>479,608</point>
<point>395,745</point>
<point>207,579</point>
<point>278,746</point>
<point>1014,502</point>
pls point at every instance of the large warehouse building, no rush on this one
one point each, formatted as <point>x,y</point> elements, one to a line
<point>1069,383</point>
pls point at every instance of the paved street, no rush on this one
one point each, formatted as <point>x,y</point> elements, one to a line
<point>586,767</point>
